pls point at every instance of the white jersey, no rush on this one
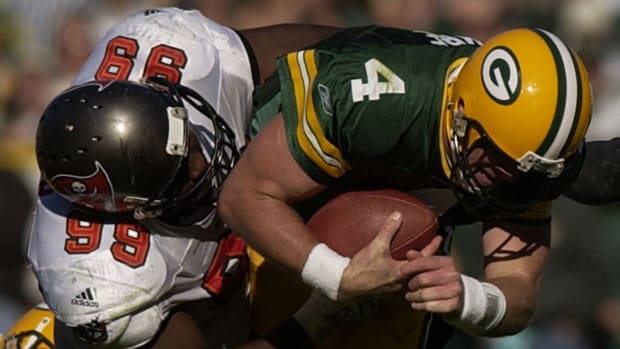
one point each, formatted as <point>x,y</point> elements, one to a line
<point>182,46</point>
<point>127,275</point>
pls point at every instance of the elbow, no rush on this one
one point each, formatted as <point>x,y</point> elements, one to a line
<point>526,318</point>
<point>509,327</point>
<point>519,321</point>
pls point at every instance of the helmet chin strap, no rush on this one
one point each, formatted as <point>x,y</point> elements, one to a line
<point>533,161</point>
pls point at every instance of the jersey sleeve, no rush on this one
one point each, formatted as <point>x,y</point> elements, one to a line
<point>334,99</point>
<point>310,137</point>
<point>367,94</point>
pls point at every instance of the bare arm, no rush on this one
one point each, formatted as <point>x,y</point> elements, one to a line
<point>514,259</point>
<point>255,196</point>
<point>269,43</point>
<point>254,202</point>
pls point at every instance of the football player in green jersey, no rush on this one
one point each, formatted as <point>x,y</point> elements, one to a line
<point>501,124</point>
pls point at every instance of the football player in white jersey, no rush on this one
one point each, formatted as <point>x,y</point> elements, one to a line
<point>125,244</point>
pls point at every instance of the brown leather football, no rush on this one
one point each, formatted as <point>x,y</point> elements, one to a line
<point>350,221</point>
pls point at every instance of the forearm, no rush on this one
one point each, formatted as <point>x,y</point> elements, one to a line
<point>271,227</point>
<point>493,308</point>
<point>520,305</point>
<point>504,302</point>
<point>255,203</point>
<point>280,235</point>
<point>515,256</point>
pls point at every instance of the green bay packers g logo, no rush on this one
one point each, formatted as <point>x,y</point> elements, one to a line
<point>501,75</point>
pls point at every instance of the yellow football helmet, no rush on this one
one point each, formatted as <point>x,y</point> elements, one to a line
<point>34,330</point>
<point>524,93</point>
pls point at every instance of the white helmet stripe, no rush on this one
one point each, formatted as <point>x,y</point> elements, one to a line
<point>568,97</point>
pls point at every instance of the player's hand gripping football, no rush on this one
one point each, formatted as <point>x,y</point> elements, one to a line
<point>435,284</point>
<point>372,269</point>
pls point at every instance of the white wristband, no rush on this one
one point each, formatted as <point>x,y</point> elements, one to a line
<point>323,270</point>
<point>484,306</point>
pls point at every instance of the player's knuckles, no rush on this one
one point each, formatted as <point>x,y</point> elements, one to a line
<point>422,280</point>
<point>414,297</point>
<point>431,306</point>
<point>454,290</point>
<point>450,306</point>
<point>426,295</point>
<point>446,277</point>
<point>455,280</point>
<point>417,306</point>
<point>413,254</point>
<point>412,266</point>
<point>448,291</point>
<point>420,264</point>
<point>444,262</point>
<point>443,306</point>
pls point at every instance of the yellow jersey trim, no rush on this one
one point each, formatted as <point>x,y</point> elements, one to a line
<point>310,135</point>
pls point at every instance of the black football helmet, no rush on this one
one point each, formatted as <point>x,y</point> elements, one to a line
<point>122,147</point>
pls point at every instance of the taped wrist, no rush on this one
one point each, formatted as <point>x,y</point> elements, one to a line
<point>323,270</point>
<point>484,306</point>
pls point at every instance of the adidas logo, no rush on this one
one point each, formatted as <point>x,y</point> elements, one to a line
<point>86,298</point>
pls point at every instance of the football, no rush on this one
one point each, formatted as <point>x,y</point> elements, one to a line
<point>350,221</point>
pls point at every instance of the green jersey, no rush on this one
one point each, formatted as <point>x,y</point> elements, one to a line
<point>366,104</point>
<point>368,98</point>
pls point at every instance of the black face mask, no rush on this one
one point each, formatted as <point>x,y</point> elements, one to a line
<point>16,340</point>
<point>506,197</point>
<point>202,197</point>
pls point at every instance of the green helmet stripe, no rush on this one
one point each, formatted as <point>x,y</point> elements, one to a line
<point>568,101</point>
